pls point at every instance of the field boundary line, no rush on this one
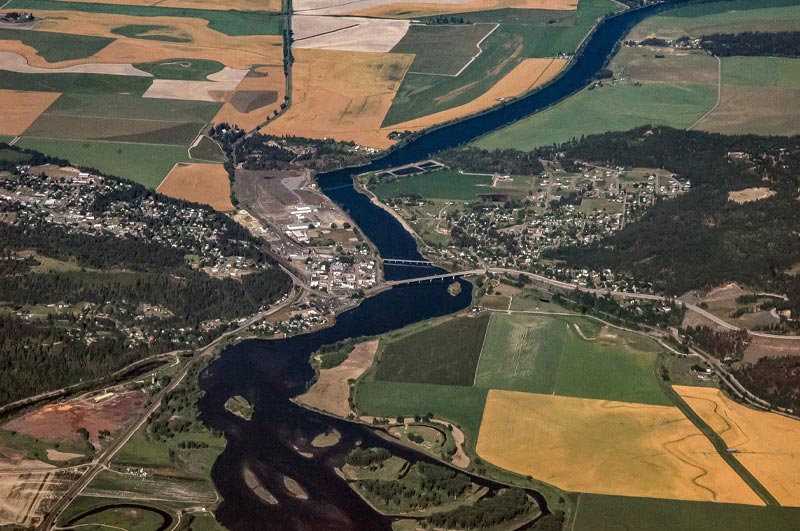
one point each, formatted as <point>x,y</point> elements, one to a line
<point>480,354</point>
<point>337,30</point>
<point>100,141</point>
<point>471,59</point>
<point>719,96</point>
<point>165,177</point>
<point>67,115</point>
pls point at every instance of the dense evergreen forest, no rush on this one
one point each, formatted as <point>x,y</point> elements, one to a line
<point>702,238</point>
<point>776,380</point>
<point>503,161</point>
<point>757,43</point>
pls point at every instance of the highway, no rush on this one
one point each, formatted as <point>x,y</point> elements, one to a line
<point>102,461</point>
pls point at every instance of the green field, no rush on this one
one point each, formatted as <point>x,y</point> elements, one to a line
<point>461,405</point>
<point>444,354</point>
<point>233,23</point>
<point>131,519</point>
<point>442,49</point>
<point>778,72</point>
<point>732,16</point>
<point>186,69</point>
<point>208,150</point>
<point>120,106</point>
<point>613,513</point>
<point>55,47</point>
<point>608,108</point>
<point>442,184</point>
<point>522,34</point>
<point>76,83</point>
<point>545,354</point>
<point>144,163</point>
<point>149,32</point>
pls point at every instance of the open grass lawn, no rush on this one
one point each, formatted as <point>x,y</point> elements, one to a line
<point>442,184</point>
<point>523,33</point>
<point>608,108</point>
<point>186,69</point>
<point>461,405</point>
<point>547,355</point>
<point>144,163</point>
<point>92,84</point>
<point>606,513</point>
<point>442,49</point>
<point>232,23</point>
<point>444,354</point>
<point>732,16</point>
<point>55,47</point>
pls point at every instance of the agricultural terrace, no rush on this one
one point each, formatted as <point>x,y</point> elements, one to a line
<point>679,87</point>
<point>765,443</point>
<point>606,447</point>
<point>610,513</point>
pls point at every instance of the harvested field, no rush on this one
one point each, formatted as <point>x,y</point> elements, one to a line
<point>606,447</point>
<point>526,76</point>
<point>756,110</point>
<point>108,129</point>
<point>200,183</point>
<point>750,194</point>
<point>405,9</point>
<point>257,97</point>
<point>347,33</point>
<point>766,443</point>
<point>14,62</point>
<point>342,95</point>
<point>175,89</point>
<point>331,391</point>
<point>60,422</point>
<point>20,109</point>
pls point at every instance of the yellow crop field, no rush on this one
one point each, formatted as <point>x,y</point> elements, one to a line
<point>767,444</point>
<point>342,95</point>
<point>606,447</point>
<point>20,108</point>
<point>200,183</point>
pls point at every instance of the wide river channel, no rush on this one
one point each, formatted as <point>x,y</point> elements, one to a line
<point>275,445</point>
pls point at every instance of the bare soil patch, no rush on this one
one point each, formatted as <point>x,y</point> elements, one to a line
<point>14,62</point>
<point>174,89</point>
<point>55,455</point>
<point>750,194</point>
<point>200,183</point>
<point>766,347</point>
<point>236,5</point>
<point>331,391</point>
<point>60,421</point>
<point>247,101</point>
<point>347,33</point>
<point>20,109</point>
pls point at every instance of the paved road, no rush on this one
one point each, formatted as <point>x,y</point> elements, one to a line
<point>103,460</point>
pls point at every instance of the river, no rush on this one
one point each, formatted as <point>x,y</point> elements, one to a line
<point>269,373</point>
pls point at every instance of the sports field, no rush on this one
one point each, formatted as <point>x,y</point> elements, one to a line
<point>766,443</point>
<point>442,184</point>
<point>612,513</point>
<point>568,356</point>
<point>444,354</point>
<point>606,447</point>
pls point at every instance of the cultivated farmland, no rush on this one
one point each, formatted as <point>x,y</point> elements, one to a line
<point>569,356</point>
<point>765,443</point>
<point>442,184</point>
<point>606,447</point>
<point>200,183</point>
<point>445,354</point>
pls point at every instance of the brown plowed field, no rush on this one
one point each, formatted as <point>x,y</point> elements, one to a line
<point>199,183</point>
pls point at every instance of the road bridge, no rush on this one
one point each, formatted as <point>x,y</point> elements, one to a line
<point>431,278</point>
<point>403,261</point>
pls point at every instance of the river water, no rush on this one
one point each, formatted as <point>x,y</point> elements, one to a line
<point>269,373</point>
